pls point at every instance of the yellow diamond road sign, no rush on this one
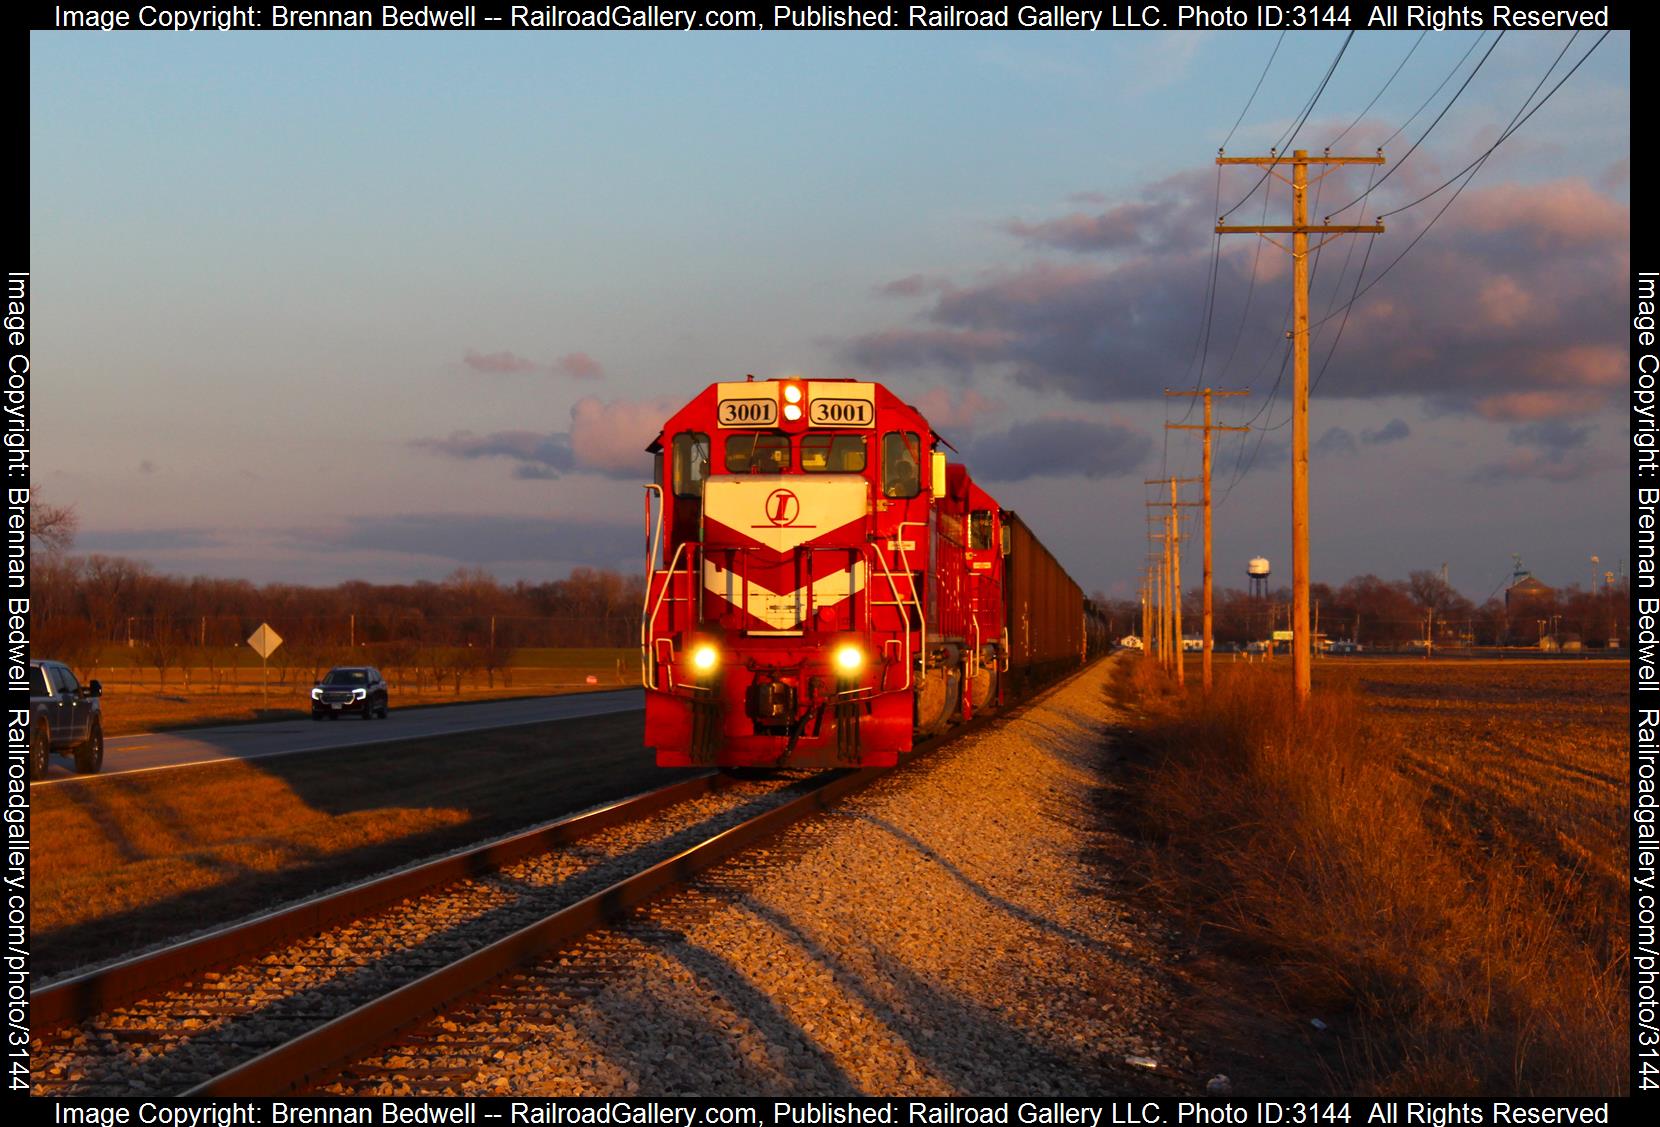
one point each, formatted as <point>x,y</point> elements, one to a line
<point>264,640</point>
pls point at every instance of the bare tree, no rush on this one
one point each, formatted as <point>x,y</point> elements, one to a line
<point>163,649</point>
<point>53,525</point>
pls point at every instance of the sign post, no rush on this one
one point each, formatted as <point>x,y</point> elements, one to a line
<point>264,642</point>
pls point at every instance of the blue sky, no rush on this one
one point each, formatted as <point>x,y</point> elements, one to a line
<point>312,307</point>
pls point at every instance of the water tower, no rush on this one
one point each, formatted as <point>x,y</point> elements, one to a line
<point>1257,570</point>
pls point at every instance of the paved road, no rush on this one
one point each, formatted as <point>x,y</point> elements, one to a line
<point>123,754</point>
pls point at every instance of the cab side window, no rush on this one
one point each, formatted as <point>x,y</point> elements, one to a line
<point>63,680</point>
<point>901,459</point>
<point>979,531</point>
<point>691,463</point>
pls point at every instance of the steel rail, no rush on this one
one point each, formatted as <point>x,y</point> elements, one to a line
<point>291,1065</point>
<point>84,995</point>
<point>296,1063</point>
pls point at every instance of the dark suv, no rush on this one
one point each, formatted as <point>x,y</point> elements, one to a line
<point>64,716</point>
<point>350,689</point>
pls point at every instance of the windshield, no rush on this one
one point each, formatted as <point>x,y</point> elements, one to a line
<point>347,677</point>
<point>833,453</point>
<point>37,682</point>
<point>757,453</point>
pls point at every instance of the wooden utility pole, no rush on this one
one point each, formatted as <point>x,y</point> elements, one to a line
<point>1302,671</point>
<point>1173,564</point>
<point>1205,642</point>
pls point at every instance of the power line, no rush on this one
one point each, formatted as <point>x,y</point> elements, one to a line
<point>1514,123</point>
<point>1472,168</point>
<point>1450,103</point>
<point>1379,94</point>
<point>1308,109</point>
<point>1256,88</point>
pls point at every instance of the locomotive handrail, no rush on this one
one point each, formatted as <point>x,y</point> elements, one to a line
<point>893,585</point>
<point>651,616</point>
<point>653,533</point>
<point>910,577</point>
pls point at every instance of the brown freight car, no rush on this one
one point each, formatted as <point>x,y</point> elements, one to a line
<point>1045,610</point>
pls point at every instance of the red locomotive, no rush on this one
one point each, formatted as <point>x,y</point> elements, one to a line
<point>824,588</point>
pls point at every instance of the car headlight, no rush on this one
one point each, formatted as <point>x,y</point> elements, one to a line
<point>359,694</point>
<point>705,658</point>
<point>849,659</point>
<point>316,694</point>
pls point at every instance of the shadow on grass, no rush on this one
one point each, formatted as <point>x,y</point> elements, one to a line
<point>481,785</point>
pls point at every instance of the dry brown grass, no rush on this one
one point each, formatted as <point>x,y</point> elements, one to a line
<point>127,860</point>
<point>1431,860</point>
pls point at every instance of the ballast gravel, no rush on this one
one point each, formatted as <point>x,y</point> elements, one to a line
<point>949,931</point>
<point>164,1044</point>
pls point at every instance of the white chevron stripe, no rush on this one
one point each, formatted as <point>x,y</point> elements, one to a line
<point>783,610</point>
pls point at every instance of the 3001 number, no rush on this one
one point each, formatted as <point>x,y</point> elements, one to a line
<point>840,413</point>
<point>748,412</point>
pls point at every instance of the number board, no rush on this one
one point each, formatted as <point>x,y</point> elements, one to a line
<point>746,411</point>
<point>847,405</point>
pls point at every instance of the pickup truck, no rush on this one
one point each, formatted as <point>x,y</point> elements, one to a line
<point>64,716</point>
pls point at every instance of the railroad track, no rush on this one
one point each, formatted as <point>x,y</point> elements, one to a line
<point>177,1018</point>
<point>260,1007</point>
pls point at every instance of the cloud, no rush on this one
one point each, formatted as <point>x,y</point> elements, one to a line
<point>1512,310</point>
<point>604,438</point>
<point>1336,441</point>
<point>499,362</point>
<point>546,455</point>
<point>1057,448</point>
<point>1554,450</point>
<point>575,365</point>
<point>611,438</point>
<point>147,467</point>
<point>958,410</point>
<point>144,539</point>
<point>1554,465</point>
<point>482,538</point>
<point>1392,431</point>
<point>579,366</point>
<point>914,285</point>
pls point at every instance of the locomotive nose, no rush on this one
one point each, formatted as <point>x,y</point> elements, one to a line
<point>771,704</point>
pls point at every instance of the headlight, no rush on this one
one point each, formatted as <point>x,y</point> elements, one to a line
<point>359,694</point>
<point>316,694</point>
<point>849,659</point>
<point>792,412</point>
<point>704,658</point>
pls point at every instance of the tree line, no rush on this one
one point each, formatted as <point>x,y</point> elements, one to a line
<point>1393,613</point>
<point>470,623</point>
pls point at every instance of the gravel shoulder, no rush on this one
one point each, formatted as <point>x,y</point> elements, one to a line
<point>958,929</point>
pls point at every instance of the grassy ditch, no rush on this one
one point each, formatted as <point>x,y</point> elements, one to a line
<point>1430,861</point>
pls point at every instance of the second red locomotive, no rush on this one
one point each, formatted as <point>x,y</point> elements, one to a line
<point>824,587</point>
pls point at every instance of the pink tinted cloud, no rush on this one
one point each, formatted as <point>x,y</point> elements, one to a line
<point>499,362</point>
<point>1498,316</point>
<point>579,366</point>
<point>575,365</point>
<point>912,285</point>
<point>611,438</point>
<point>946,408</point>
<point>1549,215</point>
